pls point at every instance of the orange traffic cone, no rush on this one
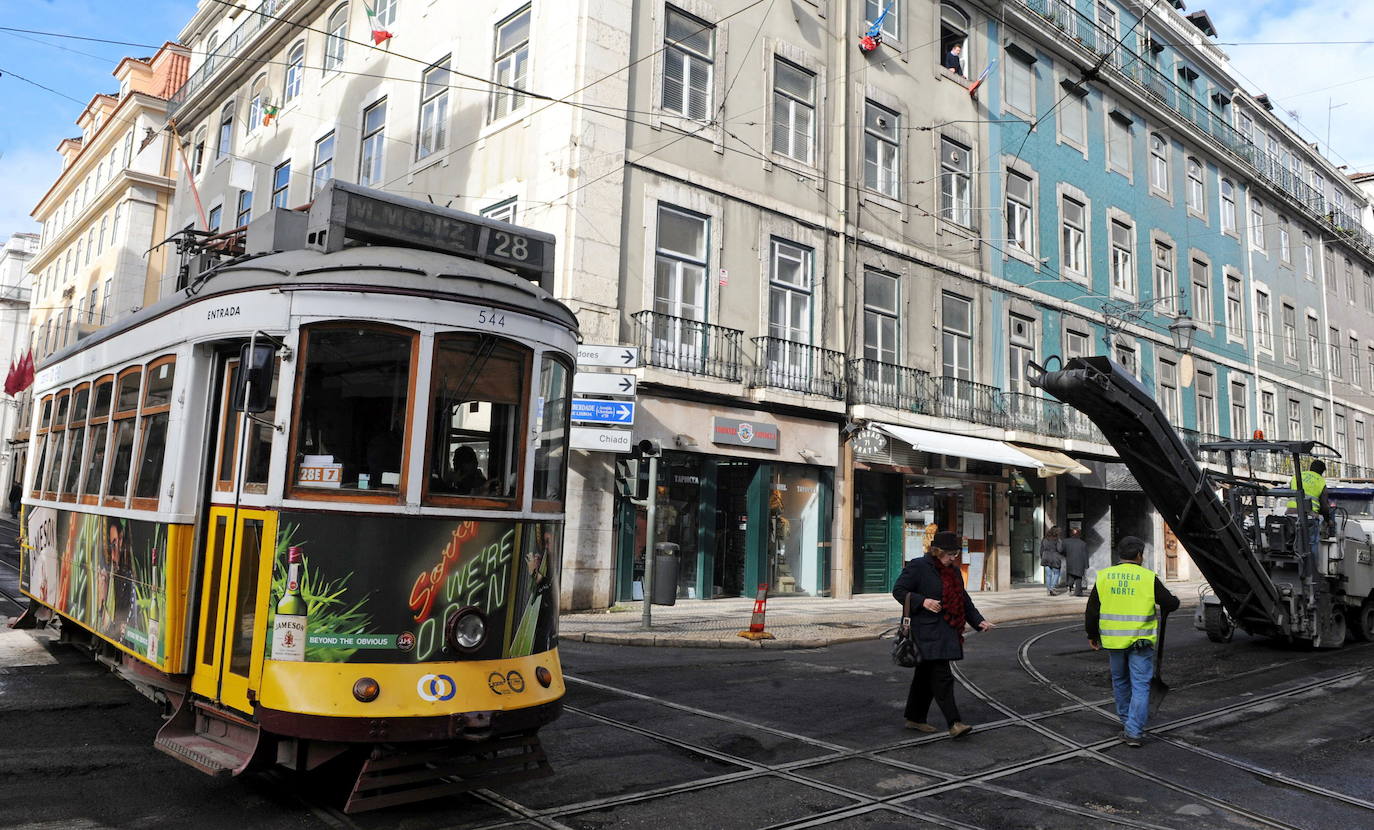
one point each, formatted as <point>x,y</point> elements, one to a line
<point>756,631</point>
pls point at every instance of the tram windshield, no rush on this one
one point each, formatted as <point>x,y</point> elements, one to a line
<point>479,384</point>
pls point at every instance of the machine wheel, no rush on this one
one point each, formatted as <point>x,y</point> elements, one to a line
<point>1333,634</point>
<point>1217,623</point>
<point>1362,622</point>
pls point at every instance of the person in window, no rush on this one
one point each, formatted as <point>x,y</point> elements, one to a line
<point>468,478</point>
<point>953,59</point>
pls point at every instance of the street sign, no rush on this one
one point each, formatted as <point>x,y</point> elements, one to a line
<point>605,440</point>
<point>619,357</point>
<point>609,383</point>
<point>591,411</point>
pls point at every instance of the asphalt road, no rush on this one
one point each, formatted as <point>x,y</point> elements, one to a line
<point>1253,735</point>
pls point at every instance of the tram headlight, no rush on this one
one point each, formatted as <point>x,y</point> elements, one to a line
<point>544,676</point>
<point>467,630</point>
<point>366,689</point>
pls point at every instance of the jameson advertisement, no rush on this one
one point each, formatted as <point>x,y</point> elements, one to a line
<point>381,589</point>
<point>108,574</point>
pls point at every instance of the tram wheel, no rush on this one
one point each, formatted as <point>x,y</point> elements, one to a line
<point>1217,624</point>
<point>1362,622</point>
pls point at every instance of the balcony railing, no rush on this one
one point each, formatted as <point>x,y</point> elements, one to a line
<point>689,345</point>
<point>783,364</point>
<point>887,384</point>
<point>965,400</point>
<point>256,20</point>
<point>1044,416</point>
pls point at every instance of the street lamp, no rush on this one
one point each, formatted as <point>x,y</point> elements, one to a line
<point>1116,316</point>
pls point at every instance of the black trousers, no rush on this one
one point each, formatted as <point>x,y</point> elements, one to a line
<point>933,680</point>
<point>1073,583</point>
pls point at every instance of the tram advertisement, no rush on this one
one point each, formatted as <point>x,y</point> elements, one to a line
<point>381,589</point>
<point>106,573</point>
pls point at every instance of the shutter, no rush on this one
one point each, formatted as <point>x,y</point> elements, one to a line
<point>781,124</point>
<point>672,81</point>
<point>802,118</point>
<point>699,88</point>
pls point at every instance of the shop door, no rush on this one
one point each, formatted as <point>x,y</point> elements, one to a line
<point>733,486</point>
<point>1026,521</point>
<point>879,544</point>
<point>232,631</point>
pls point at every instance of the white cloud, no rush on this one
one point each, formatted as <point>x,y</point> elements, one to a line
<point>1305,79</point>
<point>27,172</point>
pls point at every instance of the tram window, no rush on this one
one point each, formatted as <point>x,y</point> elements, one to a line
<point>157,399</point>
<point>97,434</point>
<point>551,451</point>
<point>245,598</point>
<point>122,433</point>
<point>77,429</point>
<point>258,453</point>
<point>101,405</point>
<point>47,413</point>
<point>42,460</point>
<point>479,384</point>
<point>57,444</point>
<point>353,410</point>
<point>128,391</point>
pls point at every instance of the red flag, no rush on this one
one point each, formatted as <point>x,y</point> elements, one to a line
<point>26,372</point>
<point>9,380</point>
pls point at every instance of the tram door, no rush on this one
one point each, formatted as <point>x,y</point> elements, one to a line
<point>236,564</point>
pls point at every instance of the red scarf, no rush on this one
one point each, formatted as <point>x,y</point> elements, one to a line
<point>952,597</point>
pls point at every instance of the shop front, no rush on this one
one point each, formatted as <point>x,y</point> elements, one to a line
<point>731,504</point>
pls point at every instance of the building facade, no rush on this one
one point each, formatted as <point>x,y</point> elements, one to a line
<point>836,263</point>
<point>15,259</point>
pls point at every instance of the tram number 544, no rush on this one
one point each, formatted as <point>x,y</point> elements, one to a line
<point>491,317</point>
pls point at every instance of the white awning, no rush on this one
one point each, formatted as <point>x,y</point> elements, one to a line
<point>961,445</point>
<point>1056,463</point>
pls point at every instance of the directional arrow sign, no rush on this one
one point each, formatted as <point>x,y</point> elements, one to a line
<point>593,383</point>
<point>589,411</point>
<point>620,357</point>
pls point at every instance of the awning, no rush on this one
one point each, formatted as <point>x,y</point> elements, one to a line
<point>1056,463</point>
<point>961,445</point>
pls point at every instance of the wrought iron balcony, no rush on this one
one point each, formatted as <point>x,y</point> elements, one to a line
<point>965,400</point>
<point>255,21</point>
<point>690,346</point>
<point>887,384</point>
<point>784,364</point>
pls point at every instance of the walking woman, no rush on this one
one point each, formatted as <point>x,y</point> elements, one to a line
<point>940,608</point>
<point>1052,557</point>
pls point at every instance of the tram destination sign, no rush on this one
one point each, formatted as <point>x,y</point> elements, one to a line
<point>604,383</point>
<point>592,411</point>
<point>617,357</point>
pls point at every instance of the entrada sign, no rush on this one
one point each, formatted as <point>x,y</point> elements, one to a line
<point>740,433</point>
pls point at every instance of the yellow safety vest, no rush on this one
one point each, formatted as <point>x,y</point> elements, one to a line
<point>1312,484</point>
<point>1127,594</point>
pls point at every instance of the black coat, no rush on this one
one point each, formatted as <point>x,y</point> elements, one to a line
<point>1051,555</point>
<point>1075,556</point>
<point>934,636</point>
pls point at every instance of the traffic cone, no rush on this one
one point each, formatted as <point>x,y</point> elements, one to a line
<point>756,631</point>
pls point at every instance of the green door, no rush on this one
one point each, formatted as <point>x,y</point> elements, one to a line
<point>879,538</point>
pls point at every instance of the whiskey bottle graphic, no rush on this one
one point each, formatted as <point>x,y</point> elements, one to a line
<point>288,631</point>
<point>154,614</point>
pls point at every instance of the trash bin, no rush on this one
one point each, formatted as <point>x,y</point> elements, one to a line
<point>666,563</point>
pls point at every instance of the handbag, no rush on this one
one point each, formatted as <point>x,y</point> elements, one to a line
<point>904,652</point>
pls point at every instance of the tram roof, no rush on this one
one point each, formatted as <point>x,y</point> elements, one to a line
<point>368,269</point>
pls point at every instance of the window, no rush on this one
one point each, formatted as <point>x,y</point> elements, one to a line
<point>1314,343</point>
<point>873,9</point>
<point>1294,420</point>
<point>76,440</point>
<point>295,71</point>
<point>1333,345</point>
<point>1239,418</point>
<point>1020,221</point>
<point>1020,82</point>
<point>1360,457</point>
<point>477,420</point>
<point>511,65</point>
<point>104,226</point>
<point>1159,163</point>
<point>1020,350</point>
<point>323,169</point>
<point>954,29</point>
<point>794,111</point>
<point>198,153</point>
<point>57,446</point>
<point>90,246</point>
<point>44,424</point>
<point>1257,224</point>
<point>956,183</point>
<point>211,55</point>
<point>1168,390</point>
<point>93,305</point>
<point>1349,277</point>
<point>122,436</point>
<point>680,263</point>
<point>1119,143</point>
<point>244,214</point>
<point>1290,332</point>
<point>352,413</point>
<point>688,57</point>
<point>89,486</point>
<point>1072,118</point>
<point>956,340</point>
<point>1206,403</point>
<point>1072,236</point>
<point>1307,262</point>
<point>1123,257</point>
<point>1371,367</point>
<point>1355,360</point>
<point>1197,196</point>
<point>1165,285</point>
<point>789,293</point>
<point>1235,308</point>
<point>1285,252</point>
<point>1075,343</point>
<point>255,453</point>
<point>503,211</point>
<point>336,38</point>
<point>114,223</point>
<point>157,403</point>
<point>550,429</point>
<point>374,142</point>
<point>433,110</point>
<point>225,144</point>
<point>385,12</point>
<point>281,182</point>
<point>1263,320</point>
<point>882,330</point>
<point>1368,291</point>
<point>881,167</point>
<point>213,219</point>
<point>1268,420</point>
<point>1202,291</point>
<point>1318,423</point>
<point>257,103</point>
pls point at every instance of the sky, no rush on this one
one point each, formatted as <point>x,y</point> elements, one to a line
<point>1313,82</point>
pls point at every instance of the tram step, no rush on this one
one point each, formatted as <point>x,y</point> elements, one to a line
<point>211,740</point>
<point>205,754</point>
<point>400,776</point>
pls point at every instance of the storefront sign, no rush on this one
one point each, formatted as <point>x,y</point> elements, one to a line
<point>739,433</point>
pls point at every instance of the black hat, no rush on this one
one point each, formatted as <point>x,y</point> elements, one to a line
<point>947,540</point>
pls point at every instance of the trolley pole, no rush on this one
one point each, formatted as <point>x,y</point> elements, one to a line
<point>647,618</point>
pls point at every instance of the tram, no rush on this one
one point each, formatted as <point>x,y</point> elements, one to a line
<point>313,503</point>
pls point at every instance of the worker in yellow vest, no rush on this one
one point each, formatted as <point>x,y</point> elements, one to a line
<point>1121,618</point>
<point>1318,508</point>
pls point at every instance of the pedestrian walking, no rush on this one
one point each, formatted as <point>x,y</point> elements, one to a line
<point>1121,618</point>
<point>1075,561</point>
<point>1052,557</point>
<point>940,608</point>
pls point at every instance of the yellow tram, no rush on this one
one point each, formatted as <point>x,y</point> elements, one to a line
<point>314,501</point>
